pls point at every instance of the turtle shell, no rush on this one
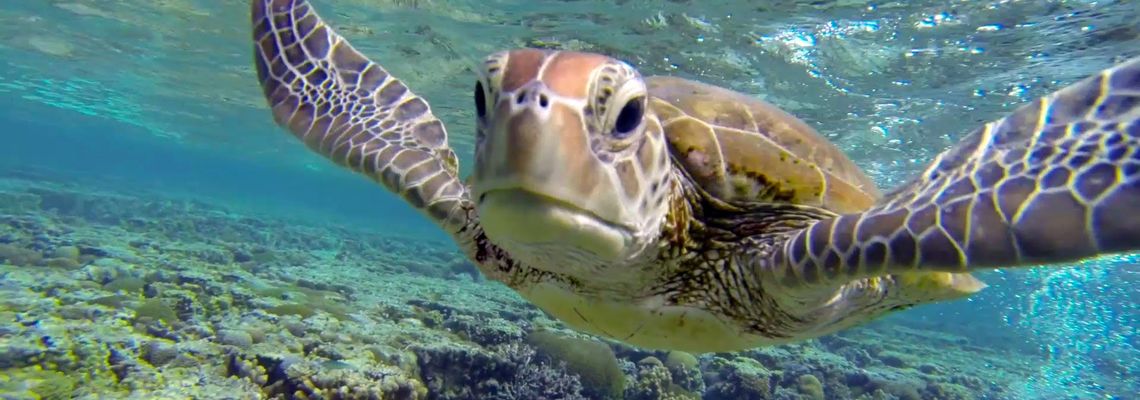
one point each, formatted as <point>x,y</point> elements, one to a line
<point>739,148</point>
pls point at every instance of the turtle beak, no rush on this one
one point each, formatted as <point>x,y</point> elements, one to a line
<point>538,144</point>
<point>524,141</point>
<point>536,181</point>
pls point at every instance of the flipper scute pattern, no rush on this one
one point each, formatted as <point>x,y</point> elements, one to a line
<point>1055,181</point>
<point>350,110</point>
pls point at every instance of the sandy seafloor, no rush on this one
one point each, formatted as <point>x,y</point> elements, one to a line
<point>108,295</point>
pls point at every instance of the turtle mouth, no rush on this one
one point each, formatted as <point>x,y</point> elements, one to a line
<point>518,217</point>
<point>523,196</point>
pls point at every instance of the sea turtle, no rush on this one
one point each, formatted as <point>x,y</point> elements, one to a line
<point>672,214</point>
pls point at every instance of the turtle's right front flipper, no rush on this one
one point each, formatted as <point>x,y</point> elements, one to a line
<point>1056,181</point>
<point>350,110</point>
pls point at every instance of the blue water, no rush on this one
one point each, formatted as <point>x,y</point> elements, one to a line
<point>157,100</point>
<point>105,153</point>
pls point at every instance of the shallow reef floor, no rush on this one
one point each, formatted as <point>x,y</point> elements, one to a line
<point>130,295</point>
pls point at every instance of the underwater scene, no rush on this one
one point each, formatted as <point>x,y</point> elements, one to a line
<point>372,199</point>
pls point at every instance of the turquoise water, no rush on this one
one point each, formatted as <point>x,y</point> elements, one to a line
<point>161,238</point>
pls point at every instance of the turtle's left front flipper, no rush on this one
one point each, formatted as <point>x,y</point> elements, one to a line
<point>1055,181</point>
<point>349,109</point>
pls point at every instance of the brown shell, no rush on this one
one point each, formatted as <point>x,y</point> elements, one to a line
<point>738,147</point>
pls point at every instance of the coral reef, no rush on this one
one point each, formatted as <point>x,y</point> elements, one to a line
<point>125,295</point>
<point>592,361</point>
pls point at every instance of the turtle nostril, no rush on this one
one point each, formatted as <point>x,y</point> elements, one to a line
<point>532,94</point>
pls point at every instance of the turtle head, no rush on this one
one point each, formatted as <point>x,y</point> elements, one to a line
<point>571,166</point>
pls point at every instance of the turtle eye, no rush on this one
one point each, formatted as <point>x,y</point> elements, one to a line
<point>480,100</point>
<point>629,117</point>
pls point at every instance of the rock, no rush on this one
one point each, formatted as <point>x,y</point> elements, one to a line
<point>593,361</point>
<point>62,263</point>
<point>68,252</point>
<point>810,387</point>
<point>295,328</point>
<point>929,369</point>
<point>893,359</point>
<point>236,338</point>
<point>159,352</point>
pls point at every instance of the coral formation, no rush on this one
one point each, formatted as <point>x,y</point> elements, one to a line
<point>594,362</point>
<point>169,298</point>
